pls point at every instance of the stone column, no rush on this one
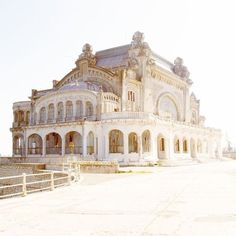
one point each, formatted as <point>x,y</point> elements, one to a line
<point>84,141</point>
<point>140,147</point>
<point>74,110</point>
<point>126,144</point>
<point>170,147</point>
<point>44,146</point>
<point>63,145</point>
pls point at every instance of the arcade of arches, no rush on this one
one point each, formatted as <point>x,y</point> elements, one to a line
<point>74,143</point>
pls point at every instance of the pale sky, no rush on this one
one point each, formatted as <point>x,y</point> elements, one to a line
<point>40,41</point>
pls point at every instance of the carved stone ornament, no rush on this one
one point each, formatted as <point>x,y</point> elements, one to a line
<point>87,53</point>
<point>138,41</point>
<point>179,69</point>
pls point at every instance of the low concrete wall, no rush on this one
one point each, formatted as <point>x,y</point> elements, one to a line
<point>20,168</point>
<point>98,167</point>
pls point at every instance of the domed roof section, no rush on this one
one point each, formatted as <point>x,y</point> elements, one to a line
<point>81,85</point>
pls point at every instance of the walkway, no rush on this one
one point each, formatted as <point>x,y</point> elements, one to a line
<point>177,201</point>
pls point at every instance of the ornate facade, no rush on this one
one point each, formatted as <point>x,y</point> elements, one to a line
<point>125,103</point>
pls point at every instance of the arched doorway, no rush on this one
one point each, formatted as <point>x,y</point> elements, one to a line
<point>133,142</point>
<point>53,143</point>
<point>90,143</point>
<point>73,143</point>
<point>176,145</point>
<point>162,147</point>
<point>35,144</point>
<point>146,141</point>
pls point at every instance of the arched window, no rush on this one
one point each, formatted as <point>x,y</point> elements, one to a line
<point>27,118</point>
<point>60,111</point>
<point>51,113</point>
<point>89,109</point>
<point>79,109</point>
<point>20,116</point>
<point>146,141</point>
<point>177,145</point>
<point>35,144</point>
<point>15,116</point>
<point>167,108</point>
<point>133,142</point>
<point>185,145</point>
<point>194,117</point>
<point>116,144</point>
<point>162,144</point>
<point>69,110</point>
<point>90,143</point>
<point>42,115</point>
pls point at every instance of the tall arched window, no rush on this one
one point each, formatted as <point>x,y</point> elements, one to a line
<point>162,144</point>
<point>89,109</point>
<point>167,108</point>
<point>185,145</point>
<point>177,145</point>
<point>79,109</point>
<point>69,110</point>
<point>42,115</point>
<point>133,142</point>
<point>146,141</point>
<point>116,143</point>
<point>51,112</point>
<point>60,111</point>
<point>90,143</point>
<point>27,118</point>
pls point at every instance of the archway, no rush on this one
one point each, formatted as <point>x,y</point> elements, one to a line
<point>53,143</point>
<point>133,142</point>
<point>185,145</point>
<point>167,107</point>
<point>18,145</point>
<point>90,143</point>
<point>176,145</point>
<point>73,143</point>
<point>146,141</point>
<point>35,144</point>
<point>162,147</point>
<point>116,141</point>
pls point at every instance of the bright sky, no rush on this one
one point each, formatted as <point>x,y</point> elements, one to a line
<point>40,41</point>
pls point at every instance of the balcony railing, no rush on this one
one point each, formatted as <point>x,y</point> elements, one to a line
<point>53,150</point>
<point>18,151</point>
<point>36,151</point>
<point>74,150</point>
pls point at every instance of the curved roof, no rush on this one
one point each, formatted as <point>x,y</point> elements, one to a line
<point>81,85</point>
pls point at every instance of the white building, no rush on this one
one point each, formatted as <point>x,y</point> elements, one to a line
<point>125,103</point>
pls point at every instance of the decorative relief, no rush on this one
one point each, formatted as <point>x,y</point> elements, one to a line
<point>87,53</point>
<point>179,69</point>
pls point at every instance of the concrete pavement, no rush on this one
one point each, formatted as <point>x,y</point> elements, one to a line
<point>190,200</point>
